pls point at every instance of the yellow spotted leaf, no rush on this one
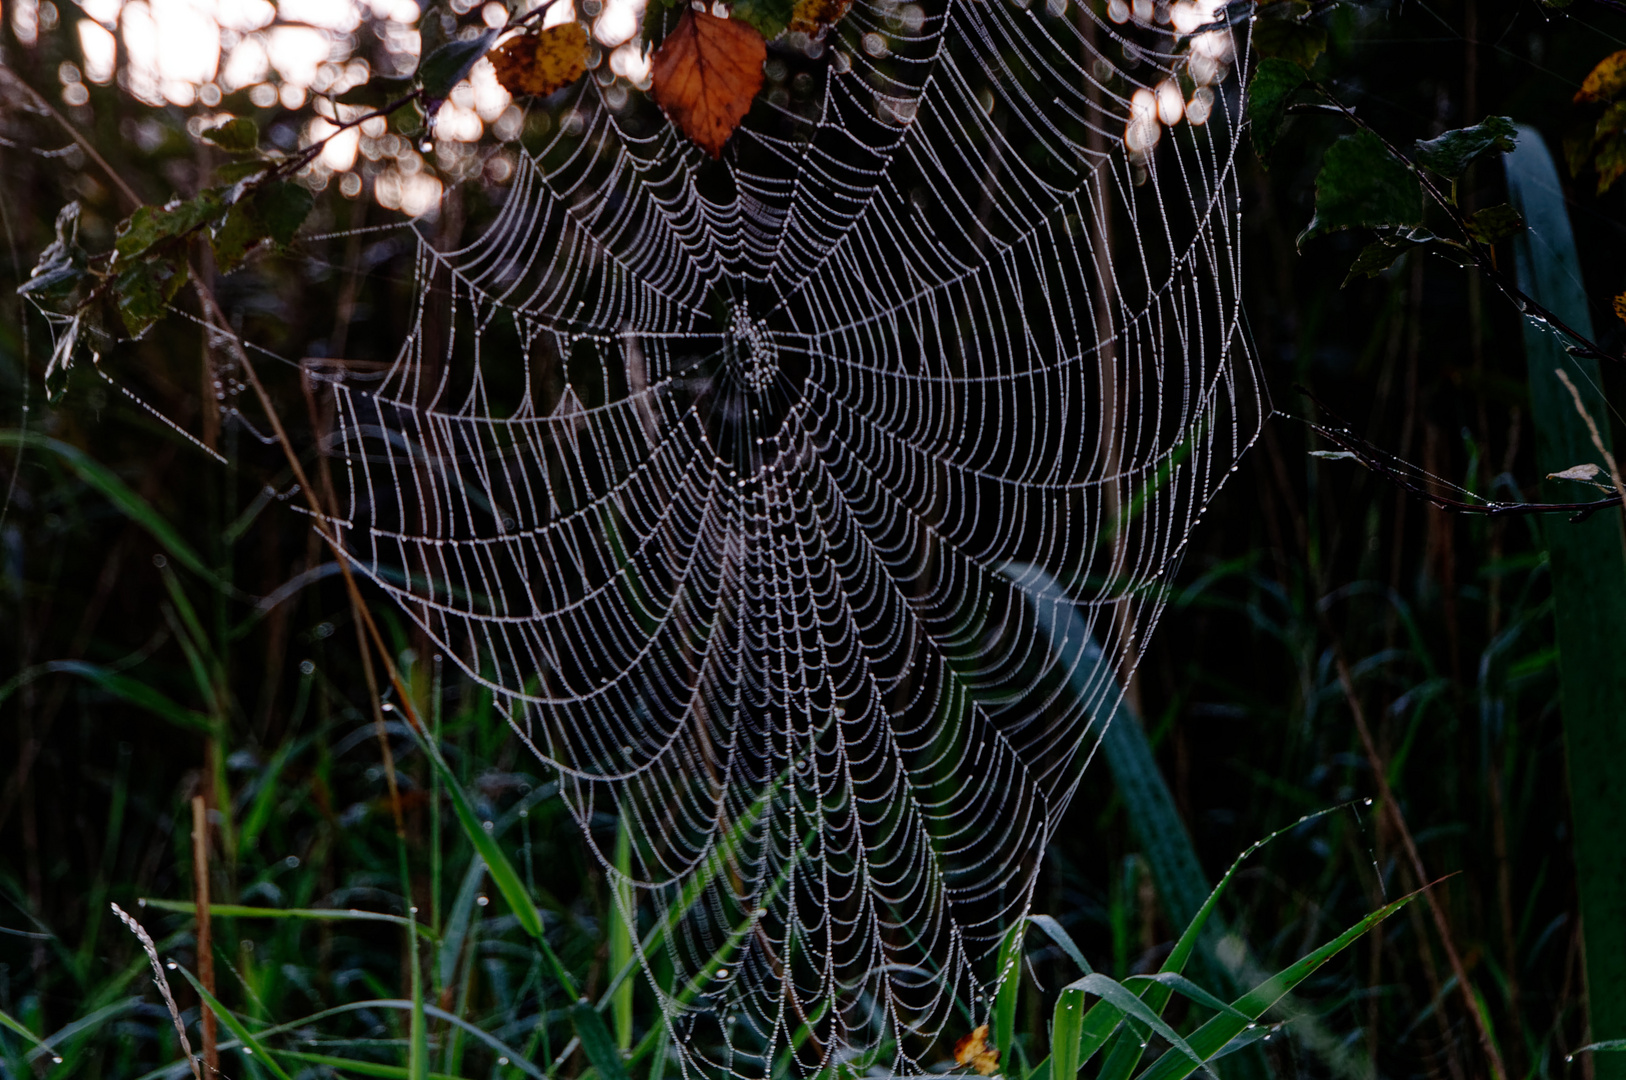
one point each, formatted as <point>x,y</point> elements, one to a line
<point>973,1050</point>
<point>1620,307</point>
<point>706,74</point>
<point>1606,80</point>
<point>811,16</point>
<point>538,63</point>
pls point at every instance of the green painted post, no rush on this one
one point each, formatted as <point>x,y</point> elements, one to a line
<point>1588,566</point>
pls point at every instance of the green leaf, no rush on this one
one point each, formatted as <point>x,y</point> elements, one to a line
<point>1379,255</point>
<point>1363,185</point>
<point>61,267</point>
<point>769,17</point>
<point>237,136</point>
<point>1289,40</point>
<point>1494,223</point>
<point>233,172</point>
<point>376,93</point>
<point>1451,153</point>
<point>271,212</point>
<point>144,289</point>
<point>449,65</point>
<point>1272,87</point>
<point>151,225</point>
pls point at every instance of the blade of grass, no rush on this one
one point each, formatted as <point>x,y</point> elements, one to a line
<point>124,687</point>
<point>1588,566</point>
<point>251,1045</point>
<point>360,1068</point>
<point>6,1021</point>
<point>621,934</point>
<point>117,492</point>
<point>1010,982</point>
<point>243,911</point>
<point>1218,1032</point>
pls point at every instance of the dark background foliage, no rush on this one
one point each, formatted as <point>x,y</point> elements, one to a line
<point>1445,621</point>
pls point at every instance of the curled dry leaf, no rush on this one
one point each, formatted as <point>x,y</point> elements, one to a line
<point>1576,472</point>
<point>973,1050</point>
<point>542,61</point>
<point>812,16</point>
<point>705,75</point>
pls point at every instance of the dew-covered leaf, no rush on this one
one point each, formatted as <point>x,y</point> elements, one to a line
<point>144,289</point>
<point>237,136</point>
<point>1451,153</point>
<point>1274,83</point>
<point>706,74</point>
<point>449,65</point>
<point>539,63</point>
<point>1362,185</point>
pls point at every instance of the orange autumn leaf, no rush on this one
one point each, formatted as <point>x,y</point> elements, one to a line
<point>541,62</point>
<point>1620,307</point>
<point>811,16</point>
<point>973,1050</point>
<point>1605,81</point>
<point>705,75</point>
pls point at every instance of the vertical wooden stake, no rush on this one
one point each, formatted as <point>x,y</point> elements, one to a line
<point>206,948</point>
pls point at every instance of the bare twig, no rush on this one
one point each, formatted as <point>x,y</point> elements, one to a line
<point>1377,460</point>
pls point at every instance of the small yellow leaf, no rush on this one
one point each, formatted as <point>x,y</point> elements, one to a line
<point>811,16</point>
<point>973,1050</point>
<point>543,61</point>
<point>1620,307</point>
<point>1605,81</point>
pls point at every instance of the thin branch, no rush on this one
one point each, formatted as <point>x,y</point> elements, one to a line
<point>1377,460</point>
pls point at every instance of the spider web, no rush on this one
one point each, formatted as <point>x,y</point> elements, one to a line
<point>737,481</point>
